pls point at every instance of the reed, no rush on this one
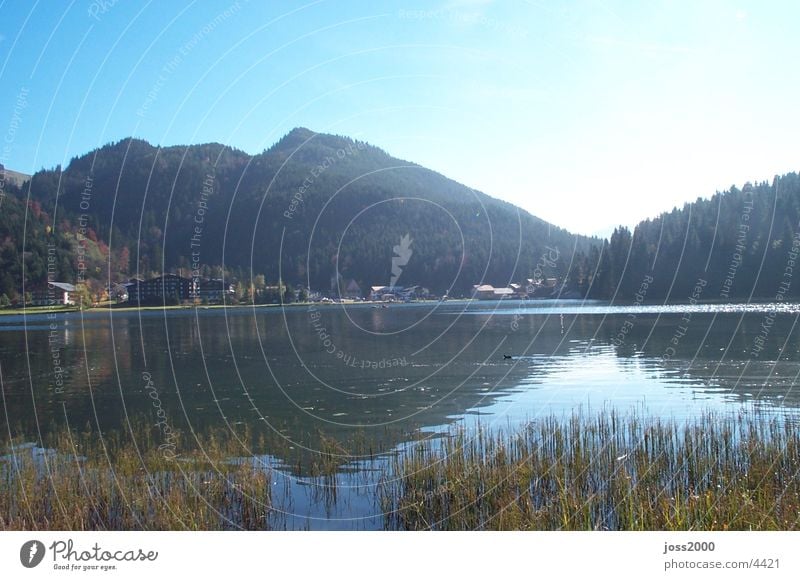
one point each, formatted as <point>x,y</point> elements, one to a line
<point>85,482</point>
<point>603,472</point>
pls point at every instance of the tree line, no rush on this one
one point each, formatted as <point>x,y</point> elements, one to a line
<point>742,244</point>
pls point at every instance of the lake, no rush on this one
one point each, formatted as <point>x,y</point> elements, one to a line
<point>376,378</point>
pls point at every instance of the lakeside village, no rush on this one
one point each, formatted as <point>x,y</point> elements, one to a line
<point>175,290</point>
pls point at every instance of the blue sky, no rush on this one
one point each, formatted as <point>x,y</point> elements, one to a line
<point>587,114</point>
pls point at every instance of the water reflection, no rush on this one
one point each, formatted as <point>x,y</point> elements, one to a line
<point>382,375</point>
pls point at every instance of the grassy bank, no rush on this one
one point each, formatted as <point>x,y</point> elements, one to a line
<point>30,310</point>
<point>124,307</point>
<point>84,484</point>
<point>607,472</point>
<point>597,472</point>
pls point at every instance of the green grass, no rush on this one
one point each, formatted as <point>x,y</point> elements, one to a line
<point>608,472</point>
<point>123,307</point>
<point>37,309</point>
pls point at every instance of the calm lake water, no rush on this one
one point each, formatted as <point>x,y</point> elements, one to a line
<point>383,377</point>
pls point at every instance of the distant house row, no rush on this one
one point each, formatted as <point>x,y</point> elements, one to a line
<point>169,288</point>
<point>393,293</point>
<point>532,288</point>
<point>174,288</point>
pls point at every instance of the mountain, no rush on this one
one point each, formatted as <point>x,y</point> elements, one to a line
<point>311,206</point>
<point>13,177</point>
<point>738,245</point>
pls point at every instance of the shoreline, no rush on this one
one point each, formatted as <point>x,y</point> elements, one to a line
<point>35,310</point>
<point>150,308</point>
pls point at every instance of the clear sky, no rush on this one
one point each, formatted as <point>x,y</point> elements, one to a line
<point>587,114</point>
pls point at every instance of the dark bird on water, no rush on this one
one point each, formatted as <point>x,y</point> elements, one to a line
<point>507,356</point>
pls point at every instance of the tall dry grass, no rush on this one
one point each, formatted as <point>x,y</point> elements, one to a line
<point>608,472</point>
